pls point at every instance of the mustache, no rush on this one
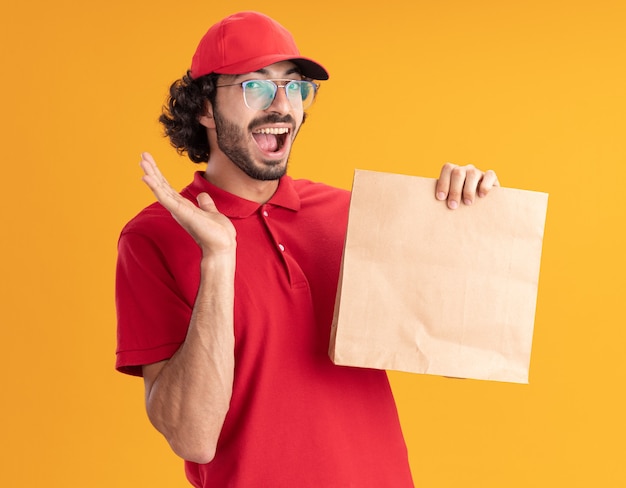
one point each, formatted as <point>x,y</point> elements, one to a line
<point>272,119</point>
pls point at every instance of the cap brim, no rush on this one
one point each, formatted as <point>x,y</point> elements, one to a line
<point>308,67</point>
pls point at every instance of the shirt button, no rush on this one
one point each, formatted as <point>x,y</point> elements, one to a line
<point>265,213</point>
<point>281,247</point>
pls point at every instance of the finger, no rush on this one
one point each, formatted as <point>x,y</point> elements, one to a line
<point>443,183</point>
<point>148,165</point>
<point>457,182</point>
<point>155,180</point>
<point>490,179</point>
<point>152,175</point>
<point>147,160</point>
<point>473,177</point>
<point>180,208</point>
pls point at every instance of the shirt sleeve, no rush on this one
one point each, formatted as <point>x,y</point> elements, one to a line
<point>152,312</point>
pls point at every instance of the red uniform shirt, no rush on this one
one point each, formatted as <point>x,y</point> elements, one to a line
<point>295,419</point>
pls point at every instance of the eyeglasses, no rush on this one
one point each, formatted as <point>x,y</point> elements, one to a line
<point>259,94</point>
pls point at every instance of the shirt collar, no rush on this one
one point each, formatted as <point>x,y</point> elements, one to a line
<point>236,207</point>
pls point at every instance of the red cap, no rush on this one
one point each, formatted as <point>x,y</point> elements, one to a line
<point>248,41</point>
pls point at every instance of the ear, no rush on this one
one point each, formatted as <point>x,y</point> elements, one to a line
<point>206,119</point>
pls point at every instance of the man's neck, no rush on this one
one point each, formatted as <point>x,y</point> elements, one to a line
<point>230,178</point>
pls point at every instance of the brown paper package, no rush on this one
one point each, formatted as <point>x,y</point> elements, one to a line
<point>425,289</point>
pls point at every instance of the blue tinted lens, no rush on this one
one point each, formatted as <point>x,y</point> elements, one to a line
<point>258,94</point>
<point>305,90</point>
<point>301,93</point>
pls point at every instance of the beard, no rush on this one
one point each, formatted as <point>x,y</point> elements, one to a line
<point>232,141</point>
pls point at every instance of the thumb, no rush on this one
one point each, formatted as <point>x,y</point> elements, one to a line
<point>205,202</point>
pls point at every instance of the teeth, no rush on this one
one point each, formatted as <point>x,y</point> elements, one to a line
<point>273,130</point>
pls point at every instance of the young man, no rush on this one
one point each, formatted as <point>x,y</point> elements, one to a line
<point>225,292</point>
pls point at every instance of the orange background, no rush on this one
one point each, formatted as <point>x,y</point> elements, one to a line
<point>535,90</point>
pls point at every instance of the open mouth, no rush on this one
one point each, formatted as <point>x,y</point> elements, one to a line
<point>271,139</point>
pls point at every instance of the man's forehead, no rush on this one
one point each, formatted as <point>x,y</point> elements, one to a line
<point>276,70</point>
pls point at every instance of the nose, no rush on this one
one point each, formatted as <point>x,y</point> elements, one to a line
<point>281,103</point>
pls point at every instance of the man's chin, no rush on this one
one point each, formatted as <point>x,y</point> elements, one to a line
<point>271,174</point>
<point>267,170</point>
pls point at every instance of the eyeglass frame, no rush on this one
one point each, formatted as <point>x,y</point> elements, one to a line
<point>286,81</point>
